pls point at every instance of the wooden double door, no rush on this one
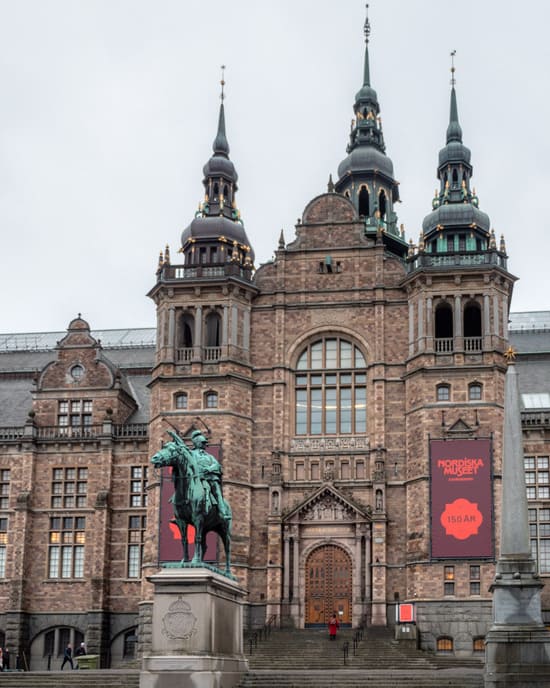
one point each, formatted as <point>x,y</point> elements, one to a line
<point>328,585</point>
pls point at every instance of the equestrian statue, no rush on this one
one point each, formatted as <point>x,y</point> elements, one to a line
<point>197,498</point>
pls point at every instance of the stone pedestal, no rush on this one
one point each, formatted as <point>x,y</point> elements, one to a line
<point>197,638</point>
<point>517,646</point>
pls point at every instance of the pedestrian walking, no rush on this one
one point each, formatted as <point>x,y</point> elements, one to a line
<point>68,656</point>
<point>333,625</point>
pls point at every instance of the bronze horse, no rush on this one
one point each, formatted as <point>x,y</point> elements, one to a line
<point>190,503</point>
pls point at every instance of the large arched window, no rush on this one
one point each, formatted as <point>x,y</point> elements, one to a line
<point>331,389</point>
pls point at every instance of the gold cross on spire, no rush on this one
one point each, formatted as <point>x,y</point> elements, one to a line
<point>367,25</point>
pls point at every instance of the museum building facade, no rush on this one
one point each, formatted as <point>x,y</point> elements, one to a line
<point>352,389</point>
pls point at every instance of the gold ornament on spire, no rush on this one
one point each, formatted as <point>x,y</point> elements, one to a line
<point>510,354</point>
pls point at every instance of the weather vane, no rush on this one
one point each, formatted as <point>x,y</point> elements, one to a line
<point>453,80</point>
<point>367,25</point>
<point>222,82</point>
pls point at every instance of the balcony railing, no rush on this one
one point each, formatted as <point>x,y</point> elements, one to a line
<point>184,355</point>
<point>212,353</point>
<point>63,432</point>
<point>11,433</point>
<point>444,345</point>
<point>535,418</point>
<point>193,272</point>
<point>452,260</point>
<point>472,344</point>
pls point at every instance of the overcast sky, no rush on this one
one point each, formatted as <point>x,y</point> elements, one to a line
<point>108,110</point>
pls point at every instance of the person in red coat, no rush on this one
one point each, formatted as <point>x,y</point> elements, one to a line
<point>333,625</point>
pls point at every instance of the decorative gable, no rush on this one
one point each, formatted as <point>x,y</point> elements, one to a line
<point>327,504</point>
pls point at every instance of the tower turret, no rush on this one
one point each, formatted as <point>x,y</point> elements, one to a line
<point>365,176</point>
<point>217,235</point>
<point>456,224</point>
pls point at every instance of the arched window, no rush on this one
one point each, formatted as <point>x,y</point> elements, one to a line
<point>455,178</point>
<point>474,391</point>
<point>382,204</point>
<point>225,191</point>
<point>443,328</point>
<point>443,392</point>
<point>213,329</point>
<point>180,400</point>
<point>445,644</point>
<point>185,333</point>
<point>331,388</point>
<point>216,189</point>
<point>472,326</point>
<point>211,400</point>
<point>364,202</point>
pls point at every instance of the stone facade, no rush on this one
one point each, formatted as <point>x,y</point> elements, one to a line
<point>322,376</point>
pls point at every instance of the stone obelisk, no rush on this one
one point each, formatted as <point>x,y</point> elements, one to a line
<point>517,652</point>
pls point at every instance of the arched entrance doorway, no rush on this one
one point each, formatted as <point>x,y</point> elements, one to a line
<point>328,585</point>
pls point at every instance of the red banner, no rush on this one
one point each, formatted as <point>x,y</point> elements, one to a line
<point>461,499</point>
<point>170,547</point>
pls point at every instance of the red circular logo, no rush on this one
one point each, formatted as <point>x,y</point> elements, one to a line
<point>461,519</point>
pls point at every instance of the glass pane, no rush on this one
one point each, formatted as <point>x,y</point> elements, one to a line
<point>542,462</point>
<point>330,411</point>
<point>317,355</point>
<point>345,410</point>
<point>302,361</point>
<point>345,355</point>
<point>316,412</point>
<point>66,560</point>
<point>359,359</point>
<point>529,462</point>
<point>330,353</point>
<point>360,409</point>
<point>53,568</point>
<point>301,412</point>
<point>79,562</point>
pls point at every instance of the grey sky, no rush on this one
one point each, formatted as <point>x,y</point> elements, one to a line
<point>109,108</point>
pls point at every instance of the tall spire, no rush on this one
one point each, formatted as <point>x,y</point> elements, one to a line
<point>366,71</point>
<point>220,145</point>
<point>365,176</point>
<point>454,130</point>
<point>217,233</point>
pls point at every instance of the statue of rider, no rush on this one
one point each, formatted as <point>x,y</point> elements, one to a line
<point>209,472</point>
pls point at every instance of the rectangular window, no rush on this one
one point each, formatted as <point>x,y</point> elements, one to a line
<point>4,488</point>
<point>475,580</point>
<point>3,543</point>
<point>74,416</point>
<point>136,537</point>
<point>448,580</point>
<point>330,410</point>
<point>66,549</point>
<point>138,486</point>
<point>69,488</point>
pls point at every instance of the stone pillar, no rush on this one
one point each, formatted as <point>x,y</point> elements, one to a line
<point>197,637</point>
<point>429,325</point>
<point>296,592</point>
<point>411,328</point>
<point>458,331</point>
<point>286,564</point>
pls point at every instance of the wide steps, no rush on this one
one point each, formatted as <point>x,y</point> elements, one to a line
<point>292,658</point>
<point>362,679</point>
<point>102,678</point>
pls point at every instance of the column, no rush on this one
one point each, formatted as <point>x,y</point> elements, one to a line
<point>171,332</point>
<point>197,354</point>
<point>286,564</point>
<point>421,324</point>
<point>429,324</point>
<point>411,328</point>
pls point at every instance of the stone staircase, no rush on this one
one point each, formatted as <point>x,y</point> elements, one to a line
<point>307,658</point>
<point>103,678</point>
